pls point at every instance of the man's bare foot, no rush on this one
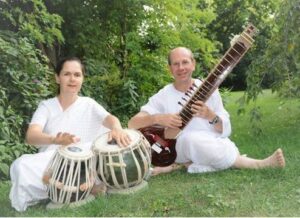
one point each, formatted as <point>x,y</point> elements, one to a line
<point>159,170</point>
<point>99,189</point>
<point>187,164</point>
<point>276,159</point>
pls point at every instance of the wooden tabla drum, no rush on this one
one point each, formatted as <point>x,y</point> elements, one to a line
<point>123,167</point>
<point>70,176</point>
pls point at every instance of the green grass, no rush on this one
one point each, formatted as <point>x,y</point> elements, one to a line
<point>268,192</point>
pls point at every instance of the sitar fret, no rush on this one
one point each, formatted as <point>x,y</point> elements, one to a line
<point>185,114</point>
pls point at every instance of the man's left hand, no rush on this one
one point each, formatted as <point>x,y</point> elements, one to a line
<point>200,109</point>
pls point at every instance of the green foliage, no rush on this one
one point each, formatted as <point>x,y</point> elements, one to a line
<point>108,89</point>
<point>10,127</point>
<point>24,82</point>
<point>31,19</point>
<point>107,28</point>
<point>24,73</point>
<point>27,31</point>
<point>125,45</point>
<point>232,15</point>
<point>181,23</point>
<point>225,93</point>
<point>280,63</point>
<point>255,120</point>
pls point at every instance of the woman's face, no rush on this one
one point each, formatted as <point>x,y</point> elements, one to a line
<point>70,78</point>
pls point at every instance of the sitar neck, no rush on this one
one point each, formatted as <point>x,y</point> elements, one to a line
<point>239,47</point>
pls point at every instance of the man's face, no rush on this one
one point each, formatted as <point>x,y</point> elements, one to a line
<point>182,65</point>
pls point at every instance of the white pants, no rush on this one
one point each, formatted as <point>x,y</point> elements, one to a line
<point>206,152</point>
<point>26,174</point>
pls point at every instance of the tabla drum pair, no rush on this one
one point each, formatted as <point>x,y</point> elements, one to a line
<point>72,171</point>
<point>123,169</point>
<point>70,176</point>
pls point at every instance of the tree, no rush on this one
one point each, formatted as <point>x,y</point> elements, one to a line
<point>125,43</point>
<point>30,18</point>
<point>280,63</point>
<point>26,30</point>
<point>232,15</point>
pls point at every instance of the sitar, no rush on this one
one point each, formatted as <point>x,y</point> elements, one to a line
<point>163,139</point>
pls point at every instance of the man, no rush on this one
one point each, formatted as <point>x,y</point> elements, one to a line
<point>203,145</point>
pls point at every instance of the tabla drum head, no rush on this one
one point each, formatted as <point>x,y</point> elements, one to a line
<point>75,151</point>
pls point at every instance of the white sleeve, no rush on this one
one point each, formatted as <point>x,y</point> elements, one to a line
<point>99,111</point>
<point>41,115</point>
<point>155,104</point>
<point>222,113</point>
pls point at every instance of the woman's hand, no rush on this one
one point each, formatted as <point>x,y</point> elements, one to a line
<point>65,139</point>
<point>120,135</point>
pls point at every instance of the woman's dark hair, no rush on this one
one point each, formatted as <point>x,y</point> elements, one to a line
<point>61,63</point>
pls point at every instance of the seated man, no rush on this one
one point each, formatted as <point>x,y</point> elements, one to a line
<point>203,145</point>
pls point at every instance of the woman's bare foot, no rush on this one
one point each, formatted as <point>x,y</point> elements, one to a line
<point>159,170</point>
<point>275,160</point>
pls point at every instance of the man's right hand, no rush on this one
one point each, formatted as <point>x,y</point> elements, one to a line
<point>168,120</point>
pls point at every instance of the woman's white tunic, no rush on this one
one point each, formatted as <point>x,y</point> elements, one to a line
<point>199,142</point>
<point>83,119</point>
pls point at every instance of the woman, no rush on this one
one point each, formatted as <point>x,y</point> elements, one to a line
<point>65,119</point>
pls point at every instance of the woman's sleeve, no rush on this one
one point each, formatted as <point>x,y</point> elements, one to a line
<point>99,111</point>
<point>41,115</point>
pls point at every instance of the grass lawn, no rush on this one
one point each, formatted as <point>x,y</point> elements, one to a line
<point>268,192</point>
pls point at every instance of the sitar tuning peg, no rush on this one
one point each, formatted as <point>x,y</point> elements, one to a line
<point>192,88</point>
<point>180,103</point>
<point>187,94</point>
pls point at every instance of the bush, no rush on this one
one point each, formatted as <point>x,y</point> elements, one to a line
<point>24,82</point>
